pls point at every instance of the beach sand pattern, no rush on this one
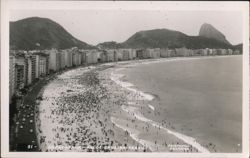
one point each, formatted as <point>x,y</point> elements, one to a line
<point>94,109</point>
<point>208,110</point>
<point>74,115</point>
<point>134,110</point>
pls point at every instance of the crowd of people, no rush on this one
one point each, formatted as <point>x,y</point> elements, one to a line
<point>131,115</point>
<point>75,110</point>
<point>73,115</point>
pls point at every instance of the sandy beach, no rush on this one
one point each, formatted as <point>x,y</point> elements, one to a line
<point>94,109</point>
<point>74,115</point>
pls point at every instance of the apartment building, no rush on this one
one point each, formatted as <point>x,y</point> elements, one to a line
<point>54,60</point>
<point>11,76</point>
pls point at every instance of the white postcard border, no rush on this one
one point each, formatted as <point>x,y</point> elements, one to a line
<point>6,6</point>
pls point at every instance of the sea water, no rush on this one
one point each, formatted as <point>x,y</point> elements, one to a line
<point>201,97</point>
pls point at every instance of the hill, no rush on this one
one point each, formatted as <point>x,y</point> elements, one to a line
<point>165,38</point>
<point>41,33</point>
<point>207,30</point>
<point>239,47</point>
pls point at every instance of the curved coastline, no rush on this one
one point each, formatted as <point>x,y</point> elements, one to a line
<point>135,111</point>
<point>117,78</point>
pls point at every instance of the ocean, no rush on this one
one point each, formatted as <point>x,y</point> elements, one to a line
<point>201,98</point>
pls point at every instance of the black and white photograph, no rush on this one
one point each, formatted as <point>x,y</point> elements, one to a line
<point>117,78</point>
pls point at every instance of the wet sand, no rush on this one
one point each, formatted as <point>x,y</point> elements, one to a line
<point>93,109</point>
<point>200,98</point>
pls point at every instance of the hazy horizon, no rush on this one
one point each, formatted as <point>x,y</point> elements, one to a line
<point>97,26</point>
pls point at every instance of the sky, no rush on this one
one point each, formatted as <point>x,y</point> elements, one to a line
<point>96,26</point>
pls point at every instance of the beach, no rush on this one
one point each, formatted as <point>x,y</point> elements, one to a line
<point>201,97</point>
<point>99,108</point>
<point>75,112</point>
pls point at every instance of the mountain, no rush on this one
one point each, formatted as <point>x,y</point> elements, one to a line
<point>155,38</point>
<point>41,33</point>
<point>165,38</point>
<point>207,30</point>
<point>239,47</point>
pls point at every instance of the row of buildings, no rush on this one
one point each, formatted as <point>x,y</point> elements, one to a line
<point>25,67</point>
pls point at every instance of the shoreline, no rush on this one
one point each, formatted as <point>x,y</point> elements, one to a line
<point>155,102</point>
<point>117,78</point>
<point>52,116</point>
<point>128,100</point>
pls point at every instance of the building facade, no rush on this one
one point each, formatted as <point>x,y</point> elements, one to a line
<point>29,69</point>
<point>43,65</point>
<point>54,60</point>
<point>76,58</point>
<point>62,59</point>
<point>91,57</point>
<point>154,53</point>
<point>165,53</point>
<point>19,76</point>
<point>68,58</point>
<point>11,76</point>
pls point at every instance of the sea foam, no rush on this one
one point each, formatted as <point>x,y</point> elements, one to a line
<point>134,134</point>
<point>116,77</point>
<point>151,107</point>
